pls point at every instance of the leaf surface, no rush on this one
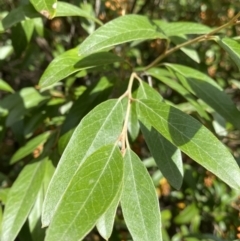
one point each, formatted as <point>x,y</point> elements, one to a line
<point>192,138</point>
<point>70,63</point>
<point>65,9</point>
<point>232,47</point>
<point>139,201</point>
<point>46,7</point>
<point>91,191</point>
<point>106,221</point>
<point>30,147</point>
<point>180,28</point>
<point>120,30</point>
<point>205,88</point>
<point>21,198</point>
<point>99,127</point>
<point>5,86</point>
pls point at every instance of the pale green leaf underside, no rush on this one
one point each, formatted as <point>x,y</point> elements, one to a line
<point>45,7</point>
<point>30,147</point>
<point>69,62</point>
<point>21,198</point>
<point>91,191</point>
<point>232,47</point>
<point>139,201</point>
<point>106,221</point>
<point>192,138</point>
<point>100,127</point>
<point>120,30</point>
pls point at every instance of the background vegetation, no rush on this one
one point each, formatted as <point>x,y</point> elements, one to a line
<point>204,208</point>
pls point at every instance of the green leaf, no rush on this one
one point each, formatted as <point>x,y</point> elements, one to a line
<point>30,147</point>
<point>139,201</point>
<point>120,30</point>
<point>100,127</point>
<point>87,101</point>
<point>19,103</point>
<point>46,7</point>
<point>70,63</point>
<point>19,14</point>
<point>66,9</point>
<point>157,73</point>
<point>232,47</point>
<point>192,138</point>
<point>5,86</point>
<point>182,28</point>
<point>106,221</point>
<point>188,50</point>
<point>90,192</point>
<point>21,198</point>
<point>165,154</point>
<point>205,88</point>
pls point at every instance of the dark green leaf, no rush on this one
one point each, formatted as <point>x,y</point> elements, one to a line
<point>139,201</point>
<point>165,154</point>
<point>19,14</point>
<point>70,63</point>
<point>21,198</point>
<point>192,138</point>
<point>120,30</point>
<point>100,127</point>
<point>90,192</point>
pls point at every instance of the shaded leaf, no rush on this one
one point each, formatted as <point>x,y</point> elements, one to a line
<point>205,88</point>
<point>70,63</point>
<point>21,198</point>
<point>232,47</point>
<point>192,138</point>
<point>120,30</point>
<point>166,155</point>
<point>99,127</point>
<point>30,146</point>
<point>157,73</point>
<point>19,14</point>
<point>90,192</point>
<point>46,7</point>
<point>139,201</point>
<point>65,9</point>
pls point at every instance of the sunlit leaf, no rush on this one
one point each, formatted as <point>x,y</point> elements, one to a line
<point>65,9</point>
<point>232,47</point>
<point>5,86</point>
<point>91,190</point>
<point>99,127</point>
<point>120,30</point>
<point>139,201</point>
<point>192,138</point>
<point>21,198</point>
<point>46,7</point>
<point>30,146</point>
